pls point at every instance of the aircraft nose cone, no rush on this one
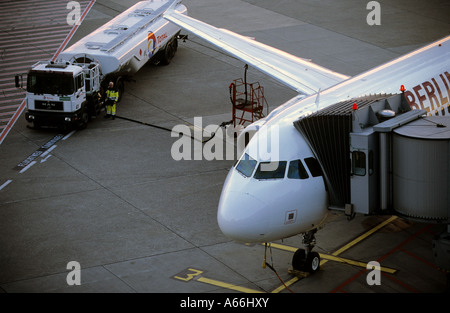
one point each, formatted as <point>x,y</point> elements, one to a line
<point>240,217</point>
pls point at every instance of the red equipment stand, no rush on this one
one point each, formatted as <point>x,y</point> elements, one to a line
<point>249,103</point>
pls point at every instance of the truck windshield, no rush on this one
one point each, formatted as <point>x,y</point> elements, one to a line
<point>50,83</point>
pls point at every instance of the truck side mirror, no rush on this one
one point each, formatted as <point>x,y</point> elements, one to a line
<point>18,80</point>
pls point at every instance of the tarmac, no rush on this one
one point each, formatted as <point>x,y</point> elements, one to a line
<point>112,198</point>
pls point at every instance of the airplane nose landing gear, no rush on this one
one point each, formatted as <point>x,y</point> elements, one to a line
<point>305,260</point>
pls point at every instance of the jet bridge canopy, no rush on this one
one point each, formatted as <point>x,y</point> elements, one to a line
<point>328,133</point>
<point>379,155</point>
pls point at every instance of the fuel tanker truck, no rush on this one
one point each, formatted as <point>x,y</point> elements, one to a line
<point>66,91</point>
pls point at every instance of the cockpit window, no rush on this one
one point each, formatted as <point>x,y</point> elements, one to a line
<point>246,165</point>
<point>297,170</point>
<point>270,170</point>
<point>313,166</point>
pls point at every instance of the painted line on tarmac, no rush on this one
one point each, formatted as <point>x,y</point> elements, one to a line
<point>44,159</point>
<point>48,151</point>
<point>5,184</point>
<point>364,236</point>
<point>195,274</point>
<point>27,167</point>
<point>227,285</point>
<point>344,248</point>
<point>69,134</point>
<point>190,274</point>
<point>50,145</point>
<point>397,248</point>
<point>333,258</point>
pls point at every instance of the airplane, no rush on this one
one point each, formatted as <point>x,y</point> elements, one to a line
<point>264,198</point>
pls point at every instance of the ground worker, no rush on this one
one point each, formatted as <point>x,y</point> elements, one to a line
<point>112,95</point>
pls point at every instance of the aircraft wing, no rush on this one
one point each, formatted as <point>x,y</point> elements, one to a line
<point>301,75</point>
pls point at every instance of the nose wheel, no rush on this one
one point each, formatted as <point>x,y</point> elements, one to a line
<point>305,260</point>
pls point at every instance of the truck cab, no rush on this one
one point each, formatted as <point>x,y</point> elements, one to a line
<point>56,95</point>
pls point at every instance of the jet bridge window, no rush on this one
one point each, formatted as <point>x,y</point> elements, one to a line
<point>246,165</point>
<point>297,170</point>
<point>359,163</point>
<point>271,170</point>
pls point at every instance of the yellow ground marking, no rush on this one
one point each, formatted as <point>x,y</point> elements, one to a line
<point>333,258</point>
<point>227,285</point>
<point>364,236</point>
<point>192,273</point>
<point>288,283</point>
<point>341,250</point>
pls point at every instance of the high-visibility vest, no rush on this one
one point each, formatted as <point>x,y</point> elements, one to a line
<point>112,94</point>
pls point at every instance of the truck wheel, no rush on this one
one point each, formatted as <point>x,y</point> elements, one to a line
<point>84,119</point>
<point>93,107</point>
<point>169,52</point>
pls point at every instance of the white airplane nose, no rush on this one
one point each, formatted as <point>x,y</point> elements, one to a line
<point>240,217</point>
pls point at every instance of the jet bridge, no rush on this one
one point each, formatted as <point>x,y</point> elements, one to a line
<point>379,156</point>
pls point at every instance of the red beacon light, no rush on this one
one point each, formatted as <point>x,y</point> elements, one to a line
<point>402,88</point>
<point>355,106</point>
